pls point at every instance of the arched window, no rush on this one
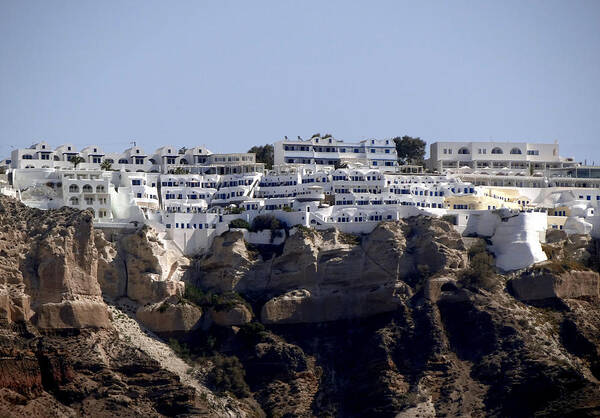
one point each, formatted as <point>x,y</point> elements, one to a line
<point>497,151</point>
<point>73,188</point>
<point>123,161</point>
<point>464,150</point>
<point>56,158</point>
<point>100,189</point>
<point>515,151</point>
<point>87,189</point>
<point>183,161</point>
<point>152,161</point>
<point>109,160</point>
<point>74,201</point>
<point>27,157</point>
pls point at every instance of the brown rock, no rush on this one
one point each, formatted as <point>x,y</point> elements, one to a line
<point>170,315</point>
<point>541,284</point>
<point>72,314</point>
<point>49,266</point>
<point>238,315</point>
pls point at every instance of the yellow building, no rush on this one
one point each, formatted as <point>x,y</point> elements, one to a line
<point>482,202</point>
<point>508,196</point>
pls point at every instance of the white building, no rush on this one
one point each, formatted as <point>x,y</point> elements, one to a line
<point>326,150</point>
<point>516,156</point>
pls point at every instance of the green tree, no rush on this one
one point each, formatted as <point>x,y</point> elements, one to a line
<point>410,150</point>
<point>106,165</point>
<point>76,160</point>
<point>339,164</point>
<point>264,154</point>
<point>179,170</point>
<point>239,223</point>
<point>266,222</point>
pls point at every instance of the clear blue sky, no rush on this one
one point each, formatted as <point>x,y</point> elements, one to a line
<point>234,74</point>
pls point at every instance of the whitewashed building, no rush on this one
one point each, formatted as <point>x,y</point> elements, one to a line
<point>326,150</point>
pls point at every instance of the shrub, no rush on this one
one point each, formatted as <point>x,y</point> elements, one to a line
<point>287,209</point>
<point>262,222</point>
<point>239,223</point>
<point>481,272</point>
<point>228,375</point>
<point>217,301</point>
<point>305,230</point>
<point>235,210</point>
<point>182,350</point>
<point>349,239</point>
<point>252,332</point>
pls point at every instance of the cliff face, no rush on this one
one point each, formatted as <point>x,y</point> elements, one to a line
<point>326,276</point>
<point>386,325</point>
<point>399,322</point>
<point>49,268</point>
<point>60,354</point>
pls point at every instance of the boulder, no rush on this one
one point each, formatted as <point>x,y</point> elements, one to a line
<point>170,315</point>
<point>304,306</point>
<point>543,284</point>
<point>238,315</point>
<point>72,315</point>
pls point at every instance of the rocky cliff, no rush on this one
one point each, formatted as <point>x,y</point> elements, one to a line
<point>62,351</point>
<point>329,275</point>
<point>410,320</point>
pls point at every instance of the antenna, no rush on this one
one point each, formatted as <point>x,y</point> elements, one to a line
<point>134,143</point>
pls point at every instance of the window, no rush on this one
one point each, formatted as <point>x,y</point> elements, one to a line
<point>497,150</point>
<point>533,152</point>
<point>515,151</point>
<point>464,150</point>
